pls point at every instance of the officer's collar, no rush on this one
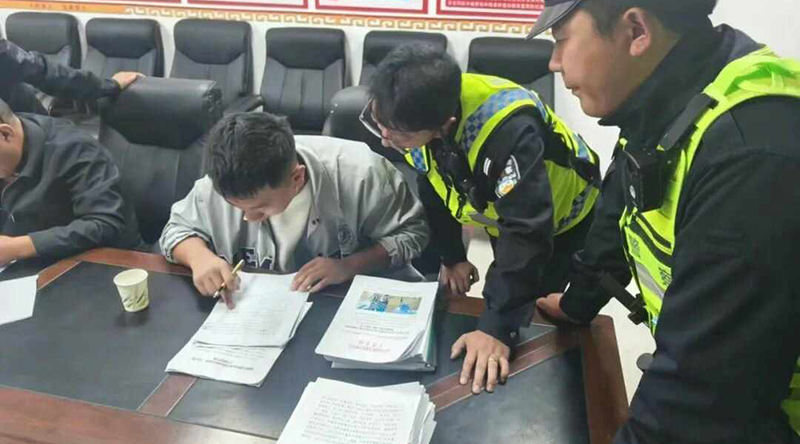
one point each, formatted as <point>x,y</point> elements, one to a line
<point>450,138</point>
<point>692,64</point>
<point>32,147</point>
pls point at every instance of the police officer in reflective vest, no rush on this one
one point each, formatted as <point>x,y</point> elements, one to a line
<point>699,207</point>
<point>490,154</point>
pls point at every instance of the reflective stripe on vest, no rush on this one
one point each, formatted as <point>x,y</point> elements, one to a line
<point>486,102</point>
<point>792,404</point>
<point>650,236</point>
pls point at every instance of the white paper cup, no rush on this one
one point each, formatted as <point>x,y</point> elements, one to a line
<point>132,287</point>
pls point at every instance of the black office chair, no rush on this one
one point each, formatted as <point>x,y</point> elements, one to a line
<point>516,59</point>
<point>54,35</point>
<point>379,43</point>
<point>305,67</point>
<point>218,50</point>
<point>115,45</point>
<point>154,131</point>
<point>343,122</point>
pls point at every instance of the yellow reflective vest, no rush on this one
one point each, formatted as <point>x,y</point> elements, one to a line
<point>486,102</point>
<point>650,236</point>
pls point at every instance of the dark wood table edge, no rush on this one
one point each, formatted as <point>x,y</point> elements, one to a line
<point>36,418</point>
<point>604,385</point>
<point>606,399</point>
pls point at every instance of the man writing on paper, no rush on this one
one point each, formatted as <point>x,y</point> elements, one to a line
<point>326,208</point>
<point>700,206</point>
<point>60,191</point>
<point>489,154</point>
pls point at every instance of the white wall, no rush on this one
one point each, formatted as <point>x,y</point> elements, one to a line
<point>768,21</point>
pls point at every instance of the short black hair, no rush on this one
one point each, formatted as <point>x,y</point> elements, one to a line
<point>679,16</point>
<point>247,151</point>
<point>416,87</point>
<point>6,114</point>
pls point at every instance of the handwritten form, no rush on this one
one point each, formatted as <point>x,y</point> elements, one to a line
<point>17,298</point>
<point>265,314</point>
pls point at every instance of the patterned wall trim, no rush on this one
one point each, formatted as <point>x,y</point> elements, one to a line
<point>281,17</point>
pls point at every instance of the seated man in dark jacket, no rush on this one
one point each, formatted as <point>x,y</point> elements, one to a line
<point>20,67</point>
<point>59,191</point>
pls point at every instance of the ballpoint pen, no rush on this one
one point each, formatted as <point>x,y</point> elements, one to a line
<point>236,269</point>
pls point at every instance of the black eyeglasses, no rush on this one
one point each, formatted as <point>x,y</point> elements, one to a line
<point>369,123</point>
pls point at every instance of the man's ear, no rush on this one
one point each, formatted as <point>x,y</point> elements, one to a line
<point>298,178</point>
<point>448,126</point>
<point>638,27</point>
<point>6,132</point>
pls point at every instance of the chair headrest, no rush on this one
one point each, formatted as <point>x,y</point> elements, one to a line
<point>519,60</point>
<point>305,48</point>
<point>379,43</point>
<point>170,113</point>
<point>212,42</point>
<point>343,121</point>
<point>124,38</point>
<point>27,30</point>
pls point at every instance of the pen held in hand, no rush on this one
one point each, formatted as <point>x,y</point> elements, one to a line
<point>236,270</point>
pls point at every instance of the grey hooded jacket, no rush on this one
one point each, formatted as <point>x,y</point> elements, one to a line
<point>358,199</point>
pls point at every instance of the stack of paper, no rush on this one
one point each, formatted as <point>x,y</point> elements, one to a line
<point>383,324</point>
<point>332,412</point>
<point>242,345</point>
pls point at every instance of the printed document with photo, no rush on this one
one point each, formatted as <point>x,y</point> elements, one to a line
<point>381,321</point>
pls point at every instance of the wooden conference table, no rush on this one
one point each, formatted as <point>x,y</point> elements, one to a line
<point>83,371</point>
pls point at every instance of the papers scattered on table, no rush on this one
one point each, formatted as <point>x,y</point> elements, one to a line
<point>17,298</point>
<point>332,412</point>
<point>242,345</point>
<point>383,324</point>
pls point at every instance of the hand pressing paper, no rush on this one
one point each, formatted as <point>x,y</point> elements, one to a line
<point>17,298</point>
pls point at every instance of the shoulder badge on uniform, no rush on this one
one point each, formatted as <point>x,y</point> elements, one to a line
<point>509,178</point>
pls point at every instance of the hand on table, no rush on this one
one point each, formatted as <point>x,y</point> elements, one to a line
<point>15,248</point>
<point>459,277</point>
<point>486,360</point>
<point>551,306</point>
<point>320,273</point>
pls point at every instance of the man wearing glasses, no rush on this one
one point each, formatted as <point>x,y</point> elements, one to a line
<point>491,154</point>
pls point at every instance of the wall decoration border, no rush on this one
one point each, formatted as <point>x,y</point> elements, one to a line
<point>292,18</point>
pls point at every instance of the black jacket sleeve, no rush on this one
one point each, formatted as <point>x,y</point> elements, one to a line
<point>20,66</point>
<point>445,229</point>
<point>603,252</point>
<point>526,226</point>
<point>92,178</point>
<point>726,340</point>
